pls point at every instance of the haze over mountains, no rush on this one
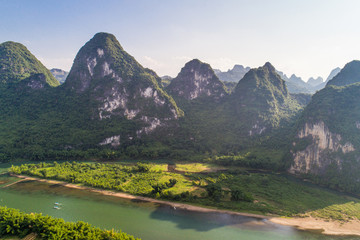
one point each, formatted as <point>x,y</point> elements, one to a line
<point>59,74</point>
<point>294,83</point>
<point>110,107</point>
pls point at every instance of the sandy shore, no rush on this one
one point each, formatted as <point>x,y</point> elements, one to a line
<point>305,223</point>
<point>326,227</point>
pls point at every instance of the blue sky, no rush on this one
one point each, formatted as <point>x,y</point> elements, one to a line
<point>305,37</point>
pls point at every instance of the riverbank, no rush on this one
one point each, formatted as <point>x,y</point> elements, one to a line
<point>327,227</point>
<point>305,223</point>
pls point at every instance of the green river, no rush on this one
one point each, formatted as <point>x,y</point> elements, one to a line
<point>141,219</point>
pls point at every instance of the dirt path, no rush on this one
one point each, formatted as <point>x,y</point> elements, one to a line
<point>8,185</point>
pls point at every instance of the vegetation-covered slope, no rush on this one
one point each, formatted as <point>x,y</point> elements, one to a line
<point>348,75</point>
<point>108,100</point>
<point>17,63</point>
<point>197,80</point>
<point>327,142</point>
<point>261,100</point>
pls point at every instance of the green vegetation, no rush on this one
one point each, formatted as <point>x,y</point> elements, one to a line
<point>14,222</point>
<point>196,167</point>
<point>235,189</point>
<point>342,212</point>
<point>139,179</point>
<point>109,94</point>
<point>18,63</point>
<point>339,109</point>
<point>348,75</point>
<point>230,86</point>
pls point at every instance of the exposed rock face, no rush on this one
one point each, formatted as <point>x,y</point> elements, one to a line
<point>34,82</point>
<point>197,80</point>
<point>119,85</point>
<point>114,141</point>
<point>314,158</point>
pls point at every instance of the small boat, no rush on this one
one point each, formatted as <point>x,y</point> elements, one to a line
<point>56,207</point>
<point>57,203</point>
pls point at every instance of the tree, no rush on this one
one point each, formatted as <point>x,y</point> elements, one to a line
<point>214,191</point>
<point>238,194</point>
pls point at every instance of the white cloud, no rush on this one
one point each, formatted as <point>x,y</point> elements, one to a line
<point>62,63</point>
<point>151,62</point>
<point>221,63</point>
<point>182,58</point>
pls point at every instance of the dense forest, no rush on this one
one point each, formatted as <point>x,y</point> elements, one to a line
<point>15,223</point>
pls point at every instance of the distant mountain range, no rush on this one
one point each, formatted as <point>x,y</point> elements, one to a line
<point>232,75</point>
<point>294,84</point>
<point>110,107</point>
<point>59,74</point>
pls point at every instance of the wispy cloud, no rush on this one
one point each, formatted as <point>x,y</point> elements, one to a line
<point>151,62</point>
<point>222,63</point>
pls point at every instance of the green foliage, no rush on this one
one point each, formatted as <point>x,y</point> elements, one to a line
<point>137,179</point>
<point>341,212</point>
<point>338,108</point>
<point>238,194</point>
<point>348,75</point>
<point>230,86</point>
<point>18,63</point>
<point>14,222</point>
<point>214,191</point>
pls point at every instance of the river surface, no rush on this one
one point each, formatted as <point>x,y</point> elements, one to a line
<point>142,219</point>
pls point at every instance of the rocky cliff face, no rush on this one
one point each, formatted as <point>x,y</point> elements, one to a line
<point>315,157</point>
<point>197,80</point>
<point>36,81</point>
<point>327,142</point>
<point>120,86</point>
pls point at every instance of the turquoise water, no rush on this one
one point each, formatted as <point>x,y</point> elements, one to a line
<point>145,220</point>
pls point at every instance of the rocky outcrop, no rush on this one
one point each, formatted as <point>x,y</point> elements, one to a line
<point>197,80</point>
<point>315,157</point>
<point>114,141</point>
<point>119,85</point>
<point>36,81</point>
